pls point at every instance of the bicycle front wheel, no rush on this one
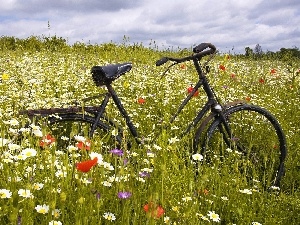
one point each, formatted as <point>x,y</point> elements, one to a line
<point>254,136</point>
<point>74,130</point>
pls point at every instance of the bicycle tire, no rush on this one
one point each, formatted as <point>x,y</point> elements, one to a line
<point>66,127</point>
<point>256,134</point>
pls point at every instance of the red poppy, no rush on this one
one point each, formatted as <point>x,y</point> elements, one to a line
<point>156,211</point>
<point>190,89</point>
<point>248,99</point>
<point>182,66</point>
<point>47,140</point>
<point>84,145</point>
<point>261,80</point>
<point>85,166</point>
<point>141,101</point>
<point>204,191</point>
<point>273,71</point>
<point>221,67</point>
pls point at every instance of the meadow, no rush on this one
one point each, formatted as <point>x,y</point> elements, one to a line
<point>150,183</point>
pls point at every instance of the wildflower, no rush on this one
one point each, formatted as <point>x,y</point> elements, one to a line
<point>141,179</point>
<point>246,191</point>
<point>224,198</point>
<point>47,140</point>
<point>213,216</point>
<point>85,166</point>
<point>175,208</point>
<point>221,67</point>
<point>71,148</point>
<point>86,181</point>
<point>261,80</point>
<point>226,57</point>
<point>256,223</point>
<point>124,194</point>
<point>98,156</point>
<point>248,99</point>
<point>126,84</point>
<point>5,76</point>
<point>56,213</point>
<point>60,173</point>
<point>5,193</point>
<point>117,152</point>
<point>84,145</point>
<point>109,216</point>
<point>173,140</point>
<point>191,89</point>
<point>79,138</point>
<point>185,199</point>
<point>25,193</point>
<point>3,142</point>
<point>106,184</point>
<point>29,152</point>
<point>37,132</point>
<point>108,166</point>
<point>13,122</point>
<point>275,188</point>
<point>43,209</point>
<point>141,101</point>
<point>54,222</point>
<point>144,174</point>
<point>20,157</point>
<point>273,71</point>
<point>197,157</point>
<point>150,154</point>
<point>114,132</point>
<point>166,219</point>
<point>156,211</point>
<point>38,186</point>
<point>182,66</point>
<point>64,138</point>
<point>13,147</point>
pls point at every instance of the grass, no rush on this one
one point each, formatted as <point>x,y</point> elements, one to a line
<point>42,185</point>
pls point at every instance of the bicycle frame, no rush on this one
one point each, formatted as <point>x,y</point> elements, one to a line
<point>211,104</point>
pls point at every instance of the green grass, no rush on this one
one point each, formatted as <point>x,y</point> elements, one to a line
<point>45,79</point>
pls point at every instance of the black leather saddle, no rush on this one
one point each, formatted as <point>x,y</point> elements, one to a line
<point>106,74</point>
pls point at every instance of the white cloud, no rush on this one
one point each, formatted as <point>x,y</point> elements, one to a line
<point>237,23</point>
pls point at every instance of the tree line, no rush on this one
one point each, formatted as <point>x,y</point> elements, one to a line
<point>54,43</point>
<point>283,53</point>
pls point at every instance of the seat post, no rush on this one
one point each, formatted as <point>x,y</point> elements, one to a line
<point>121,108</point>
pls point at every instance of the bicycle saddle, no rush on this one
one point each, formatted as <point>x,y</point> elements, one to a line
<point>106,74</point>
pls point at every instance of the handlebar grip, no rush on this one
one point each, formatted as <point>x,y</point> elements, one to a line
<point>203,46</point>
<point>161,61</point>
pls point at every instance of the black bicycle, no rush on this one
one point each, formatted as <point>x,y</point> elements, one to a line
<point>248,130</point>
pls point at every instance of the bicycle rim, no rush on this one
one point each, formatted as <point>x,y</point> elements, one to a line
<point>256,144</point>
<point>73,131</point>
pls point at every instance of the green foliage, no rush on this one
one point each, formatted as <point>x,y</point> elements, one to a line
<point>46,72</point>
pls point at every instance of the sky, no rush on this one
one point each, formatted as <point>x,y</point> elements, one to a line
<point>231,25</point>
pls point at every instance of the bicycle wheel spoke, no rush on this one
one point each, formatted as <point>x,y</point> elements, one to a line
<point>255,140</point>
<point>76,132</point>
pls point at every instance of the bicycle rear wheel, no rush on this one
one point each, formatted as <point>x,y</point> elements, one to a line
<point>75,130</point>
<point>254,136</point>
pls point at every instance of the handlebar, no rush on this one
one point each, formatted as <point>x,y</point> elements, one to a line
<point>198,54</point>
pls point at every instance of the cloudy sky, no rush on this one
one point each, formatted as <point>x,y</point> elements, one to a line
<point>229,24</point>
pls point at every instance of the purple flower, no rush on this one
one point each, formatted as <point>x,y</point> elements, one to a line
<point>117,152</point>
<point>144,174</point>
<point>124,194</point>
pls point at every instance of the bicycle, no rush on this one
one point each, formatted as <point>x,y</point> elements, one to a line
<point>247,129</point>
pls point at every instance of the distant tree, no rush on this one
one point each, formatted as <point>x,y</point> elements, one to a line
<point>258,51</point>
<point>248,52</point>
